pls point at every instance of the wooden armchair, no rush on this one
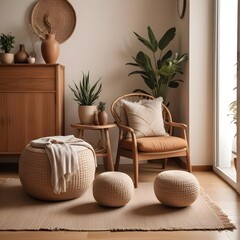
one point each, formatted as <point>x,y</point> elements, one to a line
<point>147,147</point>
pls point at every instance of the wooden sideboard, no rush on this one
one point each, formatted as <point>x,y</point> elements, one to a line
<point>31,104</point>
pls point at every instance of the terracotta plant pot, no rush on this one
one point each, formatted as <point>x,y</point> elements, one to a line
<point>7,58</point>
<point>86,114</point>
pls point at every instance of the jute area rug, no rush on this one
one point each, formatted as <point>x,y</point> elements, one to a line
<point>144,212</point>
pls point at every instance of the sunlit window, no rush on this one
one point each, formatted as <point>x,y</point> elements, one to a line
<point>226,80</point>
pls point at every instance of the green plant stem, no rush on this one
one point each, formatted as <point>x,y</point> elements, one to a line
<point>155,61</point>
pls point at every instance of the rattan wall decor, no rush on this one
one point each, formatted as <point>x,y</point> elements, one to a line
<point>53,16</point>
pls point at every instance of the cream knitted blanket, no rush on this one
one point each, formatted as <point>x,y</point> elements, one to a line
<point>63,157</point>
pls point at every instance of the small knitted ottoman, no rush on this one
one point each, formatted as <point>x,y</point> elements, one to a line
<point>176,188</point>
<point>113,189</point>
<point>35,175</point>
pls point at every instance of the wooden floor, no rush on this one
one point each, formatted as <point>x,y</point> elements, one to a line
<point>223,195</point>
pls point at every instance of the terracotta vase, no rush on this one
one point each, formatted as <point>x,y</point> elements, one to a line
<point>102,118</point>
<point>50,49</point>
<point>86,114</point>
<point>95,118</point>
<point>21,56</point>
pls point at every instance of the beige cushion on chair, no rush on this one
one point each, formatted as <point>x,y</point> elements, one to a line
<point>145,117</point>
<point>156,144</point>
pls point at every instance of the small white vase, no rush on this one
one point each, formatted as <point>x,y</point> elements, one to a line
<point>86,113</point>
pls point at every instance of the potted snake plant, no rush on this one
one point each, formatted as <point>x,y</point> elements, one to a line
<point>86,95</point>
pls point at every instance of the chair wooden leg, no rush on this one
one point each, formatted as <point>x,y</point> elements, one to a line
<point>164,163</point>
<point>188,162</point>
<point>135,171</point>
<point>117,161</point>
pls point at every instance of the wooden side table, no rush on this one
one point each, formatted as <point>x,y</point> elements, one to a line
<point>107,153</point>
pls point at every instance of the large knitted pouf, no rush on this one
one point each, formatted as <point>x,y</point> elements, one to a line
<point>113,189</point>
<point>35,174</point>
<point>176,188</point>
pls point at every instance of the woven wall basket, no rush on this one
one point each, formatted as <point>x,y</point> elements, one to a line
<point>53,16</point>
<point>35,175</point>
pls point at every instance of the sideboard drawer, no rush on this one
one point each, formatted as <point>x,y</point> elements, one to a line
<point>25,84</point>
<point>27,71</point>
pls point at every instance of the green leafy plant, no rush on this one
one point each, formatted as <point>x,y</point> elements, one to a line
<point>159,70</point>
<point>6,42</point>
<point>233,110</point>
<point>101,106</point>
<point>233,104</point>
<point>84,93</point>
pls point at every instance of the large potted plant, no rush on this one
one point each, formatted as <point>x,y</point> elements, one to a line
<point>6,44</point>
<point>86,95</point>
<point>160,69</point>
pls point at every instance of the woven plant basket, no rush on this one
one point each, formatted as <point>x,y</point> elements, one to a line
<point>35,175</point>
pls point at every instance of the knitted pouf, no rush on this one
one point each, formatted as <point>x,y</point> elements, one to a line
<point>113,189</point>
<point>176,188</point>
<point>35,174</point>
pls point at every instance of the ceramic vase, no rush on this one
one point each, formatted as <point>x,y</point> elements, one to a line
<point>86,114</point>
<point>95,118</point>
<point>102,118</point>
<point>21,56</point>
<point>50,49</point>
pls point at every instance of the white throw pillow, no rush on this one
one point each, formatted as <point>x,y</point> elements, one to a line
<point>145,117</point>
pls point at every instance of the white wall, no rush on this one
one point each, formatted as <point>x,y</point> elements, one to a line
<point>103,42</point>
<point>201,80</point>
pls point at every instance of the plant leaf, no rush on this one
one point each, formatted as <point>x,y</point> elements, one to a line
<point>144,41</point>
<point>137,72</point>
<point>150,81</point>
<point>167,38</point>
<point>166,56</point>
<point>141,91</point>
<point>132,64</point>
<point>144,61</point>
<point>153,40</point>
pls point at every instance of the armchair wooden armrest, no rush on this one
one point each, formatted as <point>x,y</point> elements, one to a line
<point>125,128</point>
<point>178,125</point>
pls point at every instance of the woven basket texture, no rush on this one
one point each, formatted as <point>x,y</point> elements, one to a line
<point>55,16</point>
<point>35,175</point>
<point>176,188</point>
<point>113,189</point>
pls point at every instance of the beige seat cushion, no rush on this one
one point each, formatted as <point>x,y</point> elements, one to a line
<point>156,144</point>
